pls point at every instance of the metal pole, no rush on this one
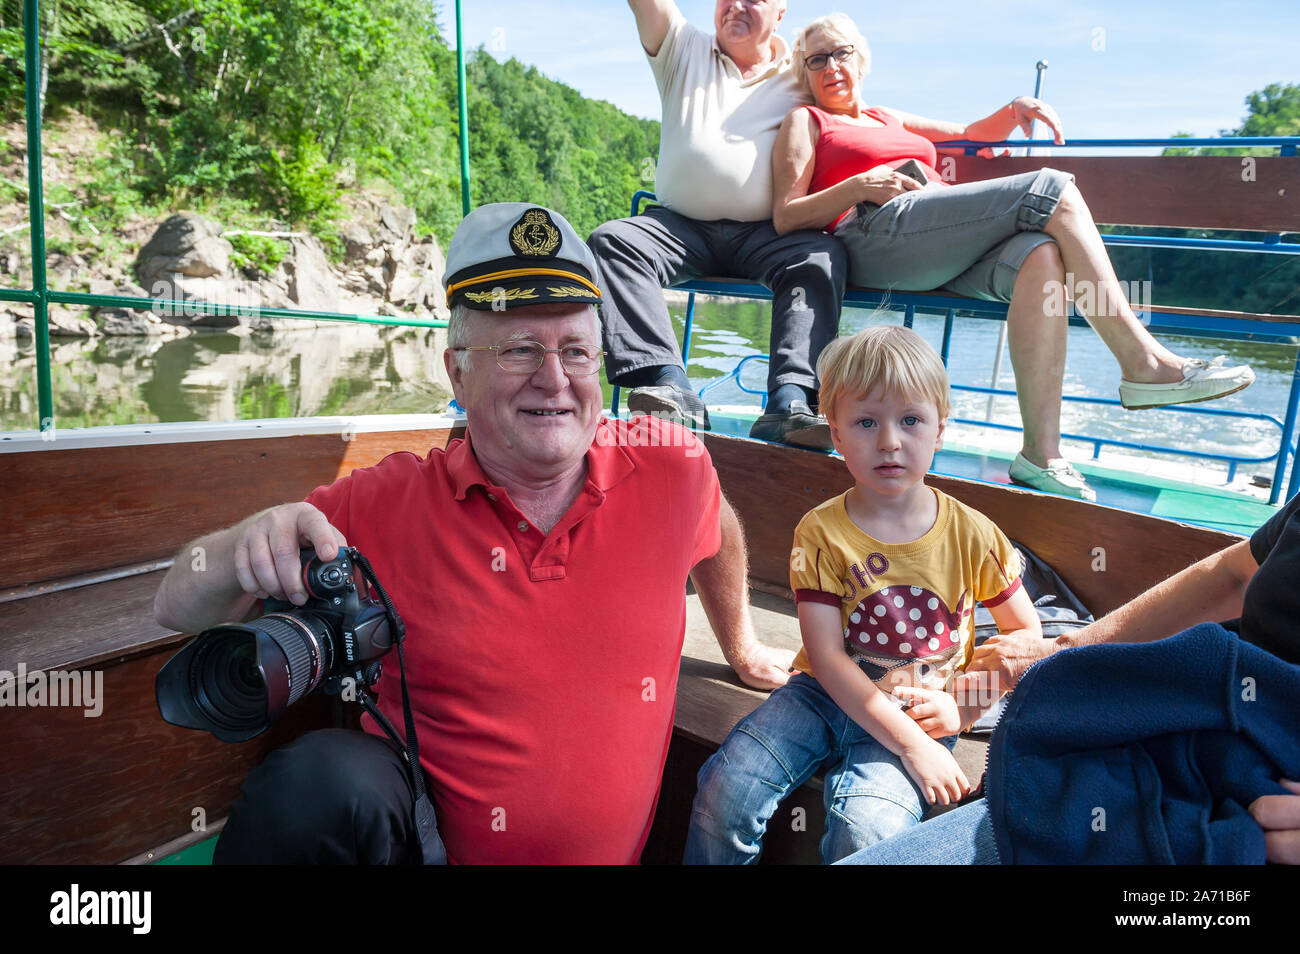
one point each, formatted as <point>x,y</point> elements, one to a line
<point>1040,66</point>
<point>464,116</point>
<point>1284,450</point>
<point>36,210</point>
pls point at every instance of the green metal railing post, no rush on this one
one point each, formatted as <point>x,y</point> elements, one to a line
<point>36,209</point>
<point>464,116</point>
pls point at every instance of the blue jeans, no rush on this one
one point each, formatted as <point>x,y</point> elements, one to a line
<point>780,745</point>
<point>963,836</point>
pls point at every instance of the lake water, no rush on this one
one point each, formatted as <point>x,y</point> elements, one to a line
<point>368,369</point>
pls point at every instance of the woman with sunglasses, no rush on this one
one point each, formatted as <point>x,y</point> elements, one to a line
<point>867,174</point>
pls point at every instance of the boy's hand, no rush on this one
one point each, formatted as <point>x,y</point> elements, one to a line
<point>975,693</point>
<point>934,769</point>
<point>934,710</point>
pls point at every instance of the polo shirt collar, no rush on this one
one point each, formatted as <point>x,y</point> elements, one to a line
<point>607,464</point>
<point>782,60</point>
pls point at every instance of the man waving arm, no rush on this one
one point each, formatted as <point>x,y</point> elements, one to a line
<point>653,17</point>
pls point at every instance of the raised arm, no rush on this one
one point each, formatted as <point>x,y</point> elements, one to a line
<point>722,581</point>
<point>995,127</point>
<point>219,577</point>
<point>653,17</point>
<point>793,161</point>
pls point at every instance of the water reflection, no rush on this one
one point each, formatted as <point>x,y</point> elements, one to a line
<point>369,369</point>
<point>219,376</point>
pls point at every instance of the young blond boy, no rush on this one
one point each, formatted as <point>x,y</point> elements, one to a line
<point>886,576</point>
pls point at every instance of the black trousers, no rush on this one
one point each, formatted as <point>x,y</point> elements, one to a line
<point>334,796</point>
<point>638,257</point>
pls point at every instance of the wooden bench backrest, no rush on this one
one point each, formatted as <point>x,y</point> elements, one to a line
<point>772,487</point>
<point>74,511</point>
<point>1206,192</point>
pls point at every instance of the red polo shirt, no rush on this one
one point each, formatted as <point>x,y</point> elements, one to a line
<point>542,668</point>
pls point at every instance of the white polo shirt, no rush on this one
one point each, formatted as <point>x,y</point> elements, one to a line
<point>718,130</point>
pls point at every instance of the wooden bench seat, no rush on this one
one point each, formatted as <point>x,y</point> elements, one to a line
<point>85,627</point>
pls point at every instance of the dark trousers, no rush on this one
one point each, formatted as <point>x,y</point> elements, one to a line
<point>638,257</point>
<point>335,796</point>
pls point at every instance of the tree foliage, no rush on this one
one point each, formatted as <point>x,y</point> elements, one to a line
<point>288,102</point>
<point>1237,282</point>
<point>1273,111</point>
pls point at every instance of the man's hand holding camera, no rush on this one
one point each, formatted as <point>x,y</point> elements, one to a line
<point>266,551</point>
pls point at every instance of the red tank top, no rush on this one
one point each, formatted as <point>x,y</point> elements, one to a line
<point>845,148</point>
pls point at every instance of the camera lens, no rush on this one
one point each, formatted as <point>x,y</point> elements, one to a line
<point>294,654</point>
<point>242,676</point>
<point>225,683</point>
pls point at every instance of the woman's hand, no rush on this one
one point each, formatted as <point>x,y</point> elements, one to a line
<point>881,183</point>
<point>1279,816</point>
<point>1009,655</point>
<point>1027,109</point>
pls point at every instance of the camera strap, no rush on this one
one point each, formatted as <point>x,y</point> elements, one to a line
<point>426,822</point>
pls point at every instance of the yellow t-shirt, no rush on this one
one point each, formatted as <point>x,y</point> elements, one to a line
<point>907,608</point>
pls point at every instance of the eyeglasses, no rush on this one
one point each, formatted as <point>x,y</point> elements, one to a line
<point>526,357</point>
<point>817,62</point>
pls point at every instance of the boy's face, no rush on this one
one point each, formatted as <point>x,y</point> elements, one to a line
<point>888,440</point>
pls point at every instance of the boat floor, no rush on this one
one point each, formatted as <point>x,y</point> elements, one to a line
<point>1202,505</point>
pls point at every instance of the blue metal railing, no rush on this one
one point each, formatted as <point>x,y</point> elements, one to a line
<point>1232,460</point>
<point>1202,325</point>
<point>1287,144</point>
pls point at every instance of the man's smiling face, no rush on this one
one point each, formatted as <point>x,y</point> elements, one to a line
<point>536,425</point>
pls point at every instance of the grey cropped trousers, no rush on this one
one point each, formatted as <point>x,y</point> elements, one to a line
<point>638,257</point>
<point>970,239</point>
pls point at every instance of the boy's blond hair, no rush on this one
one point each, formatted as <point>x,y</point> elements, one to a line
<point>889,358</point>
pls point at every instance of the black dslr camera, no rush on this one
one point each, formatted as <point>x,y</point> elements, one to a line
<point>236,679</point>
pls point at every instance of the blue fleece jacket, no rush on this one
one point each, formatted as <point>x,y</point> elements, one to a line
<point>1148,753</point>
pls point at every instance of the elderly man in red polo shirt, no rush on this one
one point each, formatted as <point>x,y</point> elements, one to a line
<point>540,565</point>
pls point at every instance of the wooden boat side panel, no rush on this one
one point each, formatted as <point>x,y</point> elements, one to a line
<point>79,510</point>
<point>771,487</point>
<point>1206,192</point>
<point>80,790</point>
<point>84,628</point>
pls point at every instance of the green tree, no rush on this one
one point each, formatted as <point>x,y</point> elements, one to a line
<point>1273,111</point>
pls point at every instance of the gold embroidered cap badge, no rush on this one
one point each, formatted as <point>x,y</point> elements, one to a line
<point>535,235</point>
